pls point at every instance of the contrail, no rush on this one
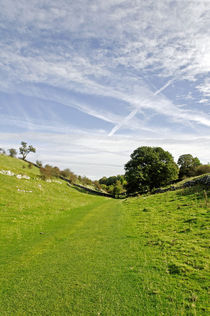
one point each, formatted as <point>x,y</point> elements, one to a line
<point>165,86</point>
<point>134,112</point>
<point>126,119</point>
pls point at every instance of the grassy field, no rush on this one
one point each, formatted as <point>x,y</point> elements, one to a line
<point>64,252</point>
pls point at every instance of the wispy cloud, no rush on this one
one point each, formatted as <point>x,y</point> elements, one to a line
<point>149,59</point>
<point>204,87</point>
<point>135,111</point>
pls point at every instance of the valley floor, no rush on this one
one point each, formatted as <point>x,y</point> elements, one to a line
<point>68,253</point>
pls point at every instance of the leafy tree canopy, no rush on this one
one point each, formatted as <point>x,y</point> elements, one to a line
<point>112,180</point>
<point>188,165</point>
<point>149,167</point>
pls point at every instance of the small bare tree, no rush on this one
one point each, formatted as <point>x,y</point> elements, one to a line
<point>25,150</point>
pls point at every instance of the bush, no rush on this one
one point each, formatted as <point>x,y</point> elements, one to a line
<point>30,165</point>
<point>97,185</point>
<point>46,173</point>
<point>86,181</point>
<point>49,172</point>
<point>66,173</point>
<point>104,187</point>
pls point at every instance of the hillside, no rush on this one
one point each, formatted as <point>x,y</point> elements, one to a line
<point>64,252</point>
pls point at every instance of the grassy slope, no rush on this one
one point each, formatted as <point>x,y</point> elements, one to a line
<point>98,256</point>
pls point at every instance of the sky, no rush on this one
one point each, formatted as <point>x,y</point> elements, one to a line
<point>86,82</point>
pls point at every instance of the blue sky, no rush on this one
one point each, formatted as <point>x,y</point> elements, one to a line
<point>87,82</point>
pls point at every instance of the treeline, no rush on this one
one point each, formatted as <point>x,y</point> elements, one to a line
<point>24,150</point>
<point>114,185</point>
<point>152,167</point>
<point>149,168</point>
<point>190,166</point>
<point>49,171</point>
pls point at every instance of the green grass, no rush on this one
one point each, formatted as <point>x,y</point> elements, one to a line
<point>64,252</point>
<point>18,166</point>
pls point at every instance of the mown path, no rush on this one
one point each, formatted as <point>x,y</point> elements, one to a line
<point>75,268</point>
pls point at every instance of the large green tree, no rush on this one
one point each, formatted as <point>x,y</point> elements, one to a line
<point>148,168</point>
<point>188,165</point>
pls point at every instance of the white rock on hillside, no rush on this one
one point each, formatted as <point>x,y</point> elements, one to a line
<point>7,172</point>
<point>10,173</point>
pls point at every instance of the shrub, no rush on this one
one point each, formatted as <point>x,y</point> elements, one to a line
<point>45,173</point>
<point>66,173</point>
<point>30,165</point>
<point>97,185</point>
<point>86,181</point>
<point>49,172</point>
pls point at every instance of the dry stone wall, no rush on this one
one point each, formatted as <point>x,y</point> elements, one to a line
<point>205,180</point>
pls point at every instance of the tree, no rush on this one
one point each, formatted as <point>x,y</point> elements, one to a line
<point>110,189</point>
<point>66,173</point>
<point>39,163</point>
<point>97,185</point>
<point>103,180</point>
<point>118,188</point>
<point>188,165</point>
<point>46,172</point>
<point>25,150</point>
<point>72,177</point>
<point>202,169</point>
<point>2,151</point>
<point>149,167</point>
<point>12,152</point>
<point>56,172</point>
<point>86,181</point>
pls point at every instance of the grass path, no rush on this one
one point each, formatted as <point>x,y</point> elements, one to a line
<point>70,269</point>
